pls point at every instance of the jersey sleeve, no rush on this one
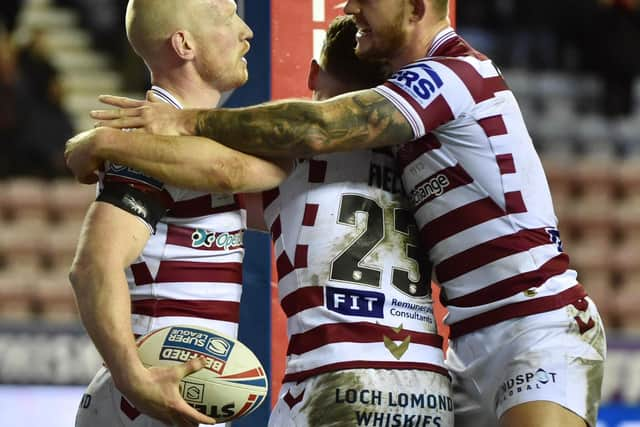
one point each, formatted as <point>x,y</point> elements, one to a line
<point>136,193</point>
<point>428,94</point>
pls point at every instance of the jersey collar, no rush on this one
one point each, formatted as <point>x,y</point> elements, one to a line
<point>440,40</point>
<point>166,96</point>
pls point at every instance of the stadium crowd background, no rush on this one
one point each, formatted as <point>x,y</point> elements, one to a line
<point>572,64</point>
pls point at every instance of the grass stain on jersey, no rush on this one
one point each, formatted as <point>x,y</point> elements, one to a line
<point>595,375</point>
<point>322,409</point>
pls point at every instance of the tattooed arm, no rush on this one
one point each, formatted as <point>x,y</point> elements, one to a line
<point>353,121</point>
<point>292,128</point>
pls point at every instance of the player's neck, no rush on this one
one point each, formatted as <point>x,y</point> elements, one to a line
<point>432,32</point>
<point>192,93</point>
<point>418,44</point>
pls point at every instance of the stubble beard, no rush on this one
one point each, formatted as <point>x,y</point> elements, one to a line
<point>388,41</point>
<point>229,80</point>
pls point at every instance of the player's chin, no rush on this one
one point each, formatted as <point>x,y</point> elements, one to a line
<point>364,49</point>
<point>234,81</point>
<point>240,81</point>
<point>243,75</point>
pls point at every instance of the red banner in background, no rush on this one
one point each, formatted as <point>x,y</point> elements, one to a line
<point>296,27</point>
<point>452,12</point>
<point>297,31</point>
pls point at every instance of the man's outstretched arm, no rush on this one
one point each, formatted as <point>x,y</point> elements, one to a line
<point>357,120</point>
<point>188,162</point>
<point>292,128</point>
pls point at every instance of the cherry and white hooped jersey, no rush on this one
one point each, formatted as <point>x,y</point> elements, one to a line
<point>478,189</point>
<point>190,270</point>
<point>351,281</point>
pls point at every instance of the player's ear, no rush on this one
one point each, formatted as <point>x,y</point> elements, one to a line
<point>183,45</point>
<point>314,71</point>
<point>419,8</point>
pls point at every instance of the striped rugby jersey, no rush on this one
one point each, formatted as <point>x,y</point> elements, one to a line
<point>351,282</point>
<point>478,189</point>
<point>190,271</point>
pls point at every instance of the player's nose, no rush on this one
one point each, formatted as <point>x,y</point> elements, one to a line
<point>246,32</point>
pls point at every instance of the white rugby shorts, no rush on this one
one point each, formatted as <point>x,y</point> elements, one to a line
<point>556,356</point>
<point>102,405</point>
<point>366,397</point>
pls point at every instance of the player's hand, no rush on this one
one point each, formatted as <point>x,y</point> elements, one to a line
<point>155,392</point>
<point>153,115</point>
<point>80,157</point>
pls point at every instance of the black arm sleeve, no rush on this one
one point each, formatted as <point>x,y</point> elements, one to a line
<point>144,205</point>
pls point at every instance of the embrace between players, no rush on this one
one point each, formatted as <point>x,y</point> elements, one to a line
<point>354,256</point>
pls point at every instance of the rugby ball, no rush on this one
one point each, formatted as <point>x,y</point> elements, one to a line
<point>233,382</point>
